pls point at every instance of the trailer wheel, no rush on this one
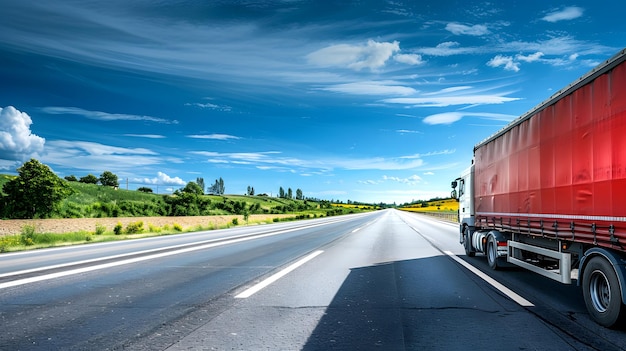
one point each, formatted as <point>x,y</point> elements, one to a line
<point>467,244</point>
<point>492,253</point>
<point>602,293</point>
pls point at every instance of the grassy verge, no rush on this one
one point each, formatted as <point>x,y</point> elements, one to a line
<point>30,239</point>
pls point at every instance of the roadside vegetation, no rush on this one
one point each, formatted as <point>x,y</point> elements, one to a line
<point>441,208</point>
<point>37,193</point>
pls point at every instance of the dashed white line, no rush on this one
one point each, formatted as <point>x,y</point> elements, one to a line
<point>256,288</point>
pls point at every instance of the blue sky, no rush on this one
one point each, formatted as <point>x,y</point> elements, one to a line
<point>372,101</point>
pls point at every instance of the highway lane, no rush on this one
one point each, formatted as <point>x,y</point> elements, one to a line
<point>106,307</point>
<point>385,287</point>
<point>385,280</point>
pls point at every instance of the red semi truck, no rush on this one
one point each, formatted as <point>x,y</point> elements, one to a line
<point>548,191</point>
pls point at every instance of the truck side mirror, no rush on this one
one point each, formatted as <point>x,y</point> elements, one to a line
<point>454,184</point>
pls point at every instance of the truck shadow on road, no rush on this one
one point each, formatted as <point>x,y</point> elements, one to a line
<point>426,303</point>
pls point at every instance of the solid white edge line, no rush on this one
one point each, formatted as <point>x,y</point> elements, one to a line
<point>227,240</point>
<point>503,289</point>
<point>137,259</point>
<point>256,288</point>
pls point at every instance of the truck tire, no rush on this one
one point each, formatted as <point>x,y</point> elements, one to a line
<point>467,244</point>
<point>492,253</point>
<point>602,293</point>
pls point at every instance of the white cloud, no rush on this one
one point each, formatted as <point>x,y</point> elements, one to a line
<point>372,88</point>
<point>450,90</point>
<point>373,55</point>
<point>17,143</point>
<point>412,180</point>
<point>93,156</point>
<point>214,136</point>
<point>442,101</point>
<point>210,106</point>
<point>507,61</point>
<point>408,131</point>
<point>148,136</point>
<point>530,58</point>
<point>161,179</point>
<point>462,29</point>
<point>103,116</point>
<point>409,59</point>
<point>451,117</point>
<point>274,160</point>
<point>443,118</point>
<point>565,14</point>
<point>448,48</point>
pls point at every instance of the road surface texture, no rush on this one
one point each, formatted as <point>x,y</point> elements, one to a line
<point>387,280</point>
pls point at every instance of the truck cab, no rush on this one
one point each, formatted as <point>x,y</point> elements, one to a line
<point>463,191</point>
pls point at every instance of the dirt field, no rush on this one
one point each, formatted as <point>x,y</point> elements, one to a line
<point>69,225</point>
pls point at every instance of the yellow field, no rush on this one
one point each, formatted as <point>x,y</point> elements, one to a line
<point>446,205</point>
<point>368,207</point>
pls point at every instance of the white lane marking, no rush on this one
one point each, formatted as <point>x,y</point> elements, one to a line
<point>137,259</point>
<point>143,252</point>
<point>503,289</point>
<point>256,288</point>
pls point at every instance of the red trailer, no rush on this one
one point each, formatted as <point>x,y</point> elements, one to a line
<point>547,192</point>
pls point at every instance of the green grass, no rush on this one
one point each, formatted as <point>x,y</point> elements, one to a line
<point>29,239</point>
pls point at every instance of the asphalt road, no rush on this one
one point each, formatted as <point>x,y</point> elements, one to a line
<point>387,280</point>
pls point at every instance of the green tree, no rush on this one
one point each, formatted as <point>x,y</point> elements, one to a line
<point>281,192</point>
<point>218,187</point>
<point>289,194</point>
<point>71,178</point>
<point>299,195</point>
<point>144,189</point>
<point>89,179</point>
<point>193,188</point>
<point>250,191</point>
<point>34,193</point>
<point>200,182</point>
<point>108,179</point>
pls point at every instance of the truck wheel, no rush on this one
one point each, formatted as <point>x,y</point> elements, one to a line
<point>492,253</point>
<point>602,293</point>
<point>467,244</point>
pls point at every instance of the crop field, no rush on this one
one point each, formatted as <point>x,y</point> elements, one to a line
<point>447,209</point>
<point>359,206</point>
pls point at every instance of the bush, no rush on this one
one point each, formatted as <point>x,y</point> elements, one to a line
<point>178,227</point>
<point>134,228</point>
<point>100,229</point>
<point>27,236</point>
<point>118,228</point>
<point>235,221</point>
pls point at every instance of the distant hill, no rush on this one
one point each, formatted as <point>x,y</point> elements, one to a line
<point>97,201</point>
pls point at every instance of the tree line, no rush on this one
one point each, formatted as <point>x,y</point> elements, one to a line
<point>37,192</point>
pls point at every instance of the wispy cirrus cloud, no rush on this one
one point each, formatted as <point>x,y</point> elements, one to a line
<point>564,14</point>
<point>451,117</point>
<point>372,88</point>
<point>93,156</point>
<point>148,136</point>
<point>274,159</point>
<point>443,101</point>
<point>214,136</point>
<point>103,116</point>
